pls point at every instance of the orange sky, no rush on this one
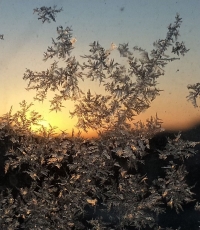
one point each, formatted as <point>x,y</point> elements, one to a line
<point>171,106</point>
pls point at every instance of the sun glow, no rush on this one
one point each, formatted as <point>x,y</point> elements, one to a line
<point>44,123</point>
<point>40,124</point>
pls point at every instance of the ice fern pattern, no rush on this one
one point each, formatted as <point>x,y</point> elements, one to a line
<point>128,90</point>
<point>119,180</point>
<point>47,14</point>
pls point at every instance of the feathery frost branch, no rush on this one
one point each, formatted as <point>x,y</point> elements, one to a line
<point>47,13</point>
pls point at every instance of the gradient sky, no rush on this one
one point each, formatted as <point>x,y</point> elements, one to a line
<point>138,22</point>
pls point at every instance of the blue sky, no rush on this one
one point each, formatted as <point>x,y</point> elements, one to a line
<point>138,22</point>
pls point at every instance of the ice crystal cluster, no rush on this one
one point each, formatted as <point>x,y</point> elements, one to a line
<point>120,180</point>
<point>46,14</point>
<point>116,181</point>
<point>128,91</point>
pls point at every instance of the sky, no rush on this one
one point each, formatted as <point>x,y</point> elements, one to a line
<point>138,23</point>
